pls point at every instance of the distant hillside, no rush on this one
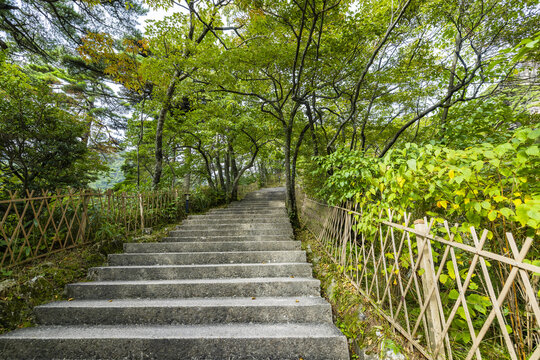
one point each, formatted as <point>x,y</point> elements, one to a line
<point>115,175</point>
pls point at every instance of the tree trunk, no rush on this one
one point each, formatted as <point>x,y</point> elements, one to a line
<point>227,166</point>
<point>446,107</point>
<point>234,173</point>
<point>290,199</point>
<point>187,177</point>
<point>159,130</point>
<point>220,174</point>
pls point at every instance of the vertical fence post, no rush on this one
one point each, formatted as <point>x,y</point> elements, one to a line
<point>434,331</point>
<point>84,216</point>
<point>142,211</point>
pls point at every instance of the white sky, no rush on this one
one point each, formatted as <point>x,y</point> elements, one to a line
<point>157,15</point>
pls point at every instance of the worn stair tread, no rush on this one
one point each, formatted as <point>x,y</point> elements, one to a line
<point>218,238</point>
<point>208,253</point>
<point>218,257</point>
<point>298,301</point>
<point>188,311</point>
<point>201,266</point>
<point>198,281</point>
<point>207,331</point>
<point>210,246</point>
<point>200,271</point>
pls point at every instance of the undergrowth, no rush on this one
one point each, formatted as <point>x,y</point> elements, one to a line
<point>44,280</point>
<point>369,335</point>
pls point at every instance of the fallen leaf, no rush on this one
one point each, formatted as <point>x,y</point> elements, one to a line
<point>71,299</point>
<point>253,298</point>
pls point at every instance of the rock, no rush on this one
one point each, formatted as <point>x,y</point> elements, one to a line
<point>147,231</point>
<point>361,316</point>
<point>6,284</point>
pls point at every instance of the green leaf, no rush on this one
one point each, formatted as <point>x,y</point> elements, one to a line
<point>453,294</point>
<point>534,134</point>
<point>533,150</point>
<point>450,268</point>
<point>492,215</point>
<point>412,164</point>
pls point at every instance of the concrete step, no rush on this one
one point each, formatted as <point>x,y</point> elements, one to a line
<point>231,341</point>
<point>243,218</point>
<point>221,227</point>
<point>207,220</point>
<point>252,207</point>
<point>228,238</point>
<point>241,287</point>
<point>171,272</point>
<point>211,246</point>
<point>246,202</point>
<point>185,311</point>
<point>230,232</point>
<point>187,258</point>
<point>267,211</point>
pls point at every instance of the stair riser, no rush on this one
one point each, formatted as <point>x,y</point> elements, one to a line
<point>316,348</point>
<point>238,219</point>
<point>235,227</point>
<point>228,238</point>
<point>212,246</point>
<point>191,233</point>
<point>267,212</point>
<point>253,207</point>
<point>153,290</point>
<point>234,220</point>
<point>183,315</point>
<point>210,272</point>
<point>207,258</point>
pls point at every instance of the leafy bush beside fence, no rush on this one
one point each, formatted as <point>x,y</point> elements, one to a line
<point>488,186</point>
<point>492,187</point>
<point>451,299</point>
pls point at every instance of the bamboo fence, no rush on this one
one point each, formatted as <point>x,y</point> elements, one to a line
<point>39,224</point>
<point>450,299</point>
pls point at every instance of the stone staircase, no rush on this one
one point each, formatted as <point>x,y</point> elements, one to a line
<point>231,284</point>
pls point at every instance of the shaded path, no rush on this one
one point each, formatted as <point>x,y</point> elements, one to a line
<point>231,284</point>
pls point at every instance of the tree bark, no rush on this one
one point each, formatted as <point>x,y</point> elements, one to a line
<point>159,130</point>
<point>234,173</point>
<point>187,177</point>
<point>220,173</point>
<point>446,107</point>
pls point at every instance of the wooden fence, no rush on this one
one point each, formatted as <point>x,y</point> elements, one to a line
<point>450,299</point>
<point>40,224</point>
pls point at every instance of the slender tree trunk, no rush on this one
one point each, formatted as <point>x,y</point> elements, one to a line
<point>446,107</point>
<point>159,130</point>
<point>312,128</point>
<point>220,173</point>
<point>234,173</point>
<point>290,199</point>
<point>227,167</point>
<point>187,177</point>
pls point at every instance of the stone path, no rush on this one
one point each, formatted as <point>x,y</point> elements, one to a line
<point>231,284</point>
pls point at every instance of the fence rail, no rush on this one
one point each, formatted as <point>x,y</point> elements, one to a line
<point>450,299</point>
<point>39,224</point>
